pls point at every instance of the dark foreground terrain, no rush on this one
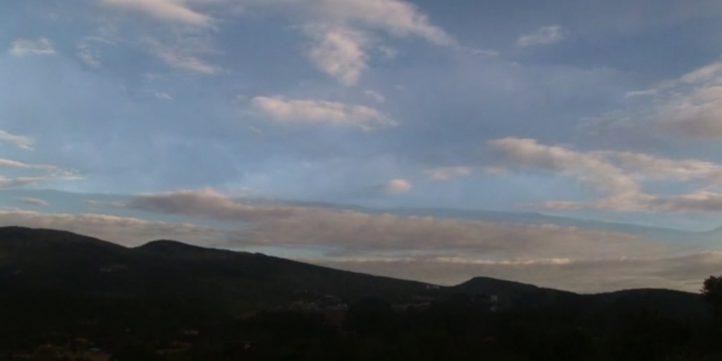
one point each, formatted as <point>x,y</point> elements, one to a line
<point>68,297</point>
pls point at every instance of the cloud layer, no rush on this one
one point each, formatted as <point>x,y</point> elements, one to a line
<point>617,176</point>
<point>348,231</point>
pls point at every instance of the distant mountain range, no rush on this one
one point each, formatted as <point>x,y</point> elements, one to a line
<point>50,260</point>
<point>58,287</point>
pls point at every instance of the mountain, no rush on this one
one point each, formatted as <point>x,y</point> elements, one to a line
<point>167,300</point>
<point>41,259</point>
<point>46,259</point>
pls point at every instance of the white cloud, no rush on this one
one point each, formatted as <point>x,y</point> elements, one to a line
<point>19,141</point>
<point>7,163</point>
<point>351,232</point>
<point>545,35</point>
<point>25,47</point>
<point>182,57</point>
<point>399,18</point>
<point>339,53</point>
<point>87,55</point>
<point>322,112</point>
<point>618,176</point>
<point>6,182</point>
<point>176,11</point>
<point>446,173</point>
<point>339,30</point>
<point>701,201</point>
<point>696,115</point>
<point>342,49</point>
<point>589,168</point>
<point>47,173</point>
<point>34,201</point>
<point>397,186</point>
<point>376,96</point>
<point>689,106</point>
<point>208,203</point>
<point>163,96</point>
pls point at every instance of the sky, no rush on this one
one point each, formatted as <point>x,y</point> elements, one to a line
<point>328,131</point>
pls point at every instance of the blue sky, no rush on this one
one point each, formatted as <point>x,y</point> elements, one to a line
<point>606,110</point>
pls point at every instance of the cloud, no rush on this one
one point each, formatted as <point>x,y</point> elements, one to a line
<point>341,31</point>
<point>22,142</point>
<point>208,203</point>
<point>426,248</point>
<point>683,272</point>
<point>122,230</point>
<point>339,53</point>
<point>545,35</point>
<point>696,115</point>
<point>322,113</point>
<point>446,173</point>
<point>7,163</point>
<point>398,18</point>
<point>353,233</point>
<point>174,11</point>
<point>701,201</point>
<point>183,57</point>
<point>689,106</point>
<point>49,173</point>
<point>376,96</point>
<point>618,176</point>
<point>25,47</point>
<point>34,201</point>
<point>87,55</point>
<point>6,182</point>
<point>163,96</point>
<point>397,186</point>
<point>446,251</point>
<point>588,168</point>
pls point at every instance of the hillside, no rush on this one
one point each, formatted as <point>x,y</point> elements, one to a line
<point>58,287</point>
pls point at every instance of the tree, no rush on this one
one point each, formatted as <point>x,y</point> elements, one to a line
<point>712,293</point>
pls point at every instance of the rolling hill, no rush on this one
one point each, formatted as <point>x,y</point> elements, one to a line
<point>59,286</point>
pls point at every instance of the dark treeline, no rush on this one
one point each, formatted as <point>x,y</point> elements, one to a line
<point>457,326</point>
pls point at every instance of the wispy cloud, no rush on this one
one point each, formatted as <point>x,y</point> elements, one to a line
<point>356,233</point>
<point>342,32</point>
<point>689,106</point>
<point>398,186</point>
<point>7,163</point>
<point>20,141</point>
<point>446,173</point>
<point>182,57</point>
<point>617,175</point>
<point>399,18</point>
<point>545,35</point>
<point>318,112</point>
<point>176,11</point>
<point>339,53</point>
<point>34,201</point>
<point>27,47</point>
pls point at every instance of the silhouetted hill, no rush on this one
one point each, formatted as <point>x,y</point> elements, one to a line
<point>57,287</point>
<point>57,259</point>
<point>517,295</point>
